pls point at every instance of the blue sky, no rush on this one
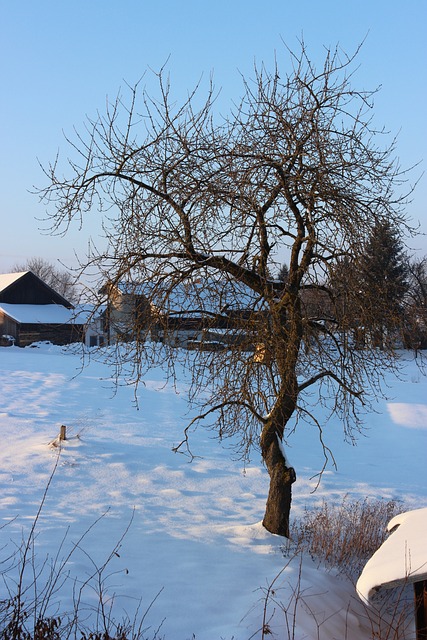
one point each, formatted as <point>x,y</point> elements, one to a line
<point>60,59</point>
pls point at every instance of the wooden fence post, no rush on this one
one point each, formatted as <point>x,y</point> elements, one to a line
<point>420,592</point>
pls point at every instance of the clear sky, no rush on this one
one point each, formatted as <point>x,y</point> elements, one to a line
<point>60,59</point>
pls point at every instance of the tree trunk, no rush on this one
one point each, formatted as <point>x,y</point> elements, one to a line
<point>277,511</point>
<point>286,334</point>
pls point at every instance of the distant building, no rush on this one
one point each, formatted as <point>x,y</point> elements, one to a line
<point>31,311</point>
<point>189,314</point>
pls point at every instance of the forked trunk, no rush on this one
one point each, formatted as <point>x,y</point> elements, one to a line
<point>277,511</point>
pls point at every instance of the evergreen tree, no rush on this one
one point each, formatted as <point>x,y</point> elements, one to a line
<point>283,274</point>
<point>383,273</point>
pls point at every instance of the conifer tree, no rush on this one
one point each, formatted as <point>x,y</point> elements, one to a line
<point>383,280</point>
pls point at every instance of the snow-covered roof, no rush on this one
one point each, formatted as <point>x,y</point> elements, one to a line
<point>43,314</point>
<point>401,558</point>
<point>202,294</point>
<point>6,279</point>
<point>83,313</point>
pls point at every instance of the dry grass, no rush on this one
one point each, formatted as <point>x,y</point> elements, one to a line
<point>344,536</point>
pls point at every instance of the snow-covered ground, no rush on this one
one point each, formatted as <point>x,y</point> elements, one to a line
<point>193,540</point>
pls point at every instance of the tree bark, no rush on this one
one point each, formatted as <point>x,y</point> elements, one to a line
<point>282,476</point>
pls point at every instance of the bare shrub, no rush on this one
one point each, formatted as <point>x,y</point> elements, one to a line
<point>344,536</point>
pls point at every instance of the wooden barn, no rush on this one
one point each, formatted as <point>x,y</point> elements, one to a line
<point>31,311</point>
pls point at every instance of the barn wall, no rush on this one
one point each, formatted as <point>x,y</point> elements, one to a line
<point>8,326</point>
<point>57,334</point>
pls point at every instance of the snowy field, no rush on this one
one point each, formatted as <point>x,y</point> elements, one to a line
<point>193,546</point>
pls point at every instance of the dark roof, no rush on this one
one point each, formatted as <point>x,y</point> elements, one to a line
<point>26,288</point>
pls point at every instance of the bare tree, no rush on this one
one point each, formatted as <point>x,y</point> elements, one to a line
<point>416,304</point>
<point>297,169</point>
<point>58,279</point>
